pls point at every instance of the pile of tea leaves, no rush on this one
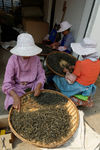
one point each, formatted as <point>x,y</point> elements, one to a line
<point>47,99</point>
<point>53,60</point>
<point>45,49</point>
<point>46,125</point>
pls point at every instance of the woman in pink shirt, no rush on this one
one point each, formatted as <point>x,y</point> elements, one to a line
<point>23,71</point>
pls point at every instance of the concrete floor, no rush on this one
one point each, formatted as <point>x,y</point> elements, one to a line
<point>91,115</point>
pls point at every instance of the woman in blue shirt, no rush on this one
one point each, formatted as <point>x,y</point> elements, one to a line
<point>64,44</point>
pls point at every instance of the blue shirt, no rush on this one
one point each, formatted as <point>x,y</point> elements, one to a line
<point>67,40</point>
<point>52,35</point>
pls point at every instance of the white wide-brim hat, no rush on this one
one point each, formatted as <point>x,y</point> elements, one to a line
<point>25,46</point>
<point>86,47</point>
<point>64,26</point>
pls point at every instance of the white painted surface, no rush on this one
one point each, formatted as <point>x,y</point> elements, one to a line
<point>47,10</point>
<point>73,14</point>
<point>94,26</point>
<point>58,11</point>
<point>84,20</point>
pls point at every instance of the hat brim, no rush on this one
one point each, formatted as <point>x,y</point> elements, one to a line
<point>63,29</point>
<point>78,49</point>
<point>26,51</point>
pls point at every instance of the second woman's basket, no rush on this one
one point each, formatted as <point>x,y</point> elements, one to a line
<point>57,61</point>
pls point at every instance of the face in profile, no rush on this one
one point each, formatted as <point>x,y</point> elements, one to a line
<point>66,32</point>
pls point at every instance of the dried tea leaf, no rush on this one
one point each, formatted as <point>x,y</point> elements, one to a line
<point>46,125</point>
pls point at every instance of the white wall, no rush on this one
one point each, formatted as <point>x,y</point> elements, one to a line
<point>47,10</point>
<point>94,26</point>
<point>73,14</point>
<point>84,20</point>
<point>58,11</point>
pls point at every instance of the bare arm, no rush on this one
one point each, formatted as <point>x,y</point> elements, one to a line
<point>16,98</point>
<point>37,89</point>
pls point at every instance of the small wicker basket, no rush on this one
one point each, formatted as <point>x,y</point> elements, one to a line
<point>73,112</point>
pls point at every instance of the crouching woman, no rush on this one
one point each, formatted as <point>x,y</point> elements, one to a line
<point>85,73</point>
<point>23,71</point>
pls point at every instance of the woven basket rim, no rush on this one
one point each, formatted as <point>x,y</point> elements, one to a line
<point>54,144</point>
<point>54,53</point>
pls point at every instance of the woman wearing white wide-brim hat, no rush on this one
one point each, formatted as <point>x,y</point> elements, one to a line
<point>85,73</point>
<point>23,71</point>
<point>64,44</point>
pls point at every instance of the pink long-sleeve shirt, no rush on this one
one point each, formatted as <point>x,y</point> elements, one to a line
<point>19,71</point>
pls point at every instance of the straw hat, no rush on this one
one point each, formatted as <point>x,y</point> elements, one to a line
<point>25,46</point>
<point>64,26</point>
<point>86,47</point>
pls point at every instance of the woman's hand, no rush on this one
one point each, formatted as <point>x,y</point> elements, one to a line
<point>37,92</point>
<point>16,99</point>
<point>65,70</point>
<point>54,45</point>
<point>16,103</point>
<point>70,77</point>
<point>37,89</point>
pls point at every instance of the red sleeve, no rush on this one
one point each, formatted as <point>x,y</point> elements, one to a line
<point>77,68</point>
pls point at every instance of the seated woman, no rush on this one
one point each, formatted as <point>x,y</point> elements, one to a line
<point>85,73</point>
<point>65,43</point>
<point>23,71</point>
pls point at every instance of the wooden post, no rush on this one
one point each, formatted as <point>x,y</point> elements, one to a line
<point>3,4</point>
<point>52,14</point>
<point>12,6</point>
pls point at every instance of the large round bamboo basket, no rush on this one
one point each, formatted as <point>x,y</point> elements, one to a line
<point>74,120</point>
<point>49,57</point>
